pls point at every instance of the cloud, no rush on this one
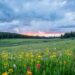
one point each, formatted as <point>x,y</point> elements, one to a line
<point>14,26</point>
<point>67,26</point>
<point>43,9</point>
<point>6,13</point>
<point>37,15</point>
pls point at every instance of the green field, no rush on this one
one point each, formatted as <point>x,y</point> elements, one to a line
<point>37,57</point>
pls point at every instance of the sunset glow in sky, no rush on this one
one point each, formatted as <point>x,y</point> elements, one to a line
<point>41,17</point>
<point>46,34</point>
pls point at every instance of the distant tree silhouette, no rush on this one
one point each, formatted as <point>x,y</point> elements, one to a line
<point>68,35</point>
<point>7,35</point>
<point>4,35</point>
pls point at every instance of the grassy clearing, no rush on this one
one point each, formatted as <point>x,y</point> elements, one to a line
<point>37,57</point>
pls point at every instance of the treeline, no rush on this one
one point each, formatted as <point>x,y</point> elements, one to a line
<point>7,35</point>
<point>68,35</point>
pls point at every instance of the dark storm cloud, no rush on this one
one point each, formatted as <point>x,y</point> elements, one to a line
<point>37,15</point>
<point>6,13</point>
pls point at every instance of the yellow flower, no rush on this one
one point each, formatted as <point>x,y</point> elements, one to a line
<point>39,56</point>
<point>10,70</point>
<point>5,73</point>
<point>53,56</point>
<point>68,52</point>
<point>65,62</point>
<point>29,73</point>
<point>6,64</point>
<point>24,65</point>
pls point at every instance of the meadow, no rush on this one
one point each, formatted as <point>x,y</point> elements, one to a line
<point>37,57</point>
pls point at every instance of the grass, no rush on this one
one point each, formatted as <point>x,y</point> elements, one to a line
<point>37,57</point>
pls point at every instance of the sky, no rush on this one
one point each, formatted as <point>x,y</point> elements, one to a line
<point>23,16</point>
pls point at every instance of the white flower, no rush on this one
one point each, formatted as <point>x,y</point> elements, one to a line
<point>14,65</point>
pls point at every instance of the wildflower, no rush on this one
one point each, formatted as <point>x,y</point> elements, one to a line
<point>39,56</point>
<point>10,70</point>
<point>5,73</point>
<point>14,65</point>
<point>24,65</point>
<point>28,69</point>
<point>65,62</point>
<point>38,66</point>
<point>6,64</point>
<point>68,52</point>
<point>29,73</point>
<point>53,56</point>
